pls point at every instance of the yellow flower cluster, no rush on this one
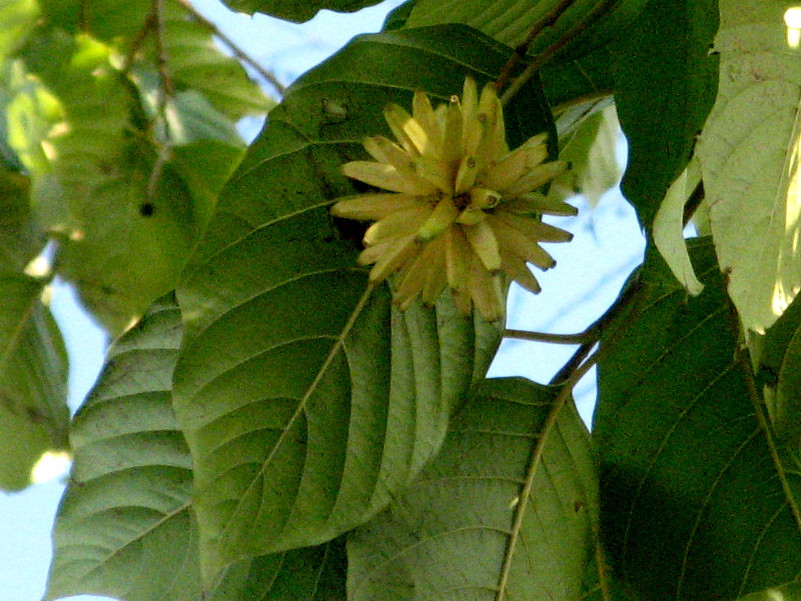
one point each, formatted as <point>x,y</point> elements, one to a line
<point>460,207</point>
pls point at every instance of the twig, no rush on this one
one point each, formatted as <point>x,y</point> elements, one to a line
<point>237,51</point>
<point>137,42</point>
<point>161,50</point>
<point>547,20</point>
<point>547,54</point>
<point>600,562</point>
<point>579,338</point>
<point>744,360</point>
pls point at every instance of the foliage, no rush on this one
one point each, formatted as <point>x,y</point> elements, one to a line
<point>270,425</point>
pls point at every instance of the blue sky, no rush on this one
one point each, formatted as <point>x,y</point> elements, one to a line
<point>591,270</point>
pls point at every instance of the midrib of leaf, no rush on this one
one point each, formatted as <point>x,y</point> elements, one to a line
<point>335,349</point>
<point>535,460</point>
<point>140,536</point>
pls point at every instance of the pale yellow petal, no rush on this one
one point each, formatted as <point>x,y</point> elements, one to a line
<point>517,269</point>
<point>452,139</point>
<point>424,114</point>
<point>373,206</point>
<point>386,151</point>
<point>484,244</point>
<point>395,258</point>
<point>406,129</point>
<point>437,173</point>
<point>539,203</point>
<point>457,259</point>
<point>485,290</point>
<point>402,223</point>
<point>535,179</point>
<point>493,143</point>
<point>439,220</point>
<point>513,242</point>
<point>466,175</point>
<point>462,301</point>
<point>534,229</point>
<point>410,282</point>
<point>437,276</point>
<point>387,177</point>
<point>472,128</point>
<point>514,166</point>
<point>483,198</point>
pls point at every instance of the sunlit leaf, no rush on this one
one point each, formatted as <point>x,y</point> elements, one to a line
<point>18,240</point>
<point>749,159</point>
<point>463,530</point>
<point>33,381</point>
<point>304,408</point>
<point>693,503</point>
<point>18,18</point>
<point>665,82</point>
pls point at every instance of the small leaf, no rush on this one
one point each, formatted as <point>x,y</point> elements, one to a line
<point>33,381</point>
<point>748,153</point>
<point>665,82</point>
<point>462,531</point>
<point>668,228</point>
<point>693,504</point>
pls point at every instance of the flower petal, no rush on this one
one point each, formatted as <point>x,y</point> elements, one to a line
<point>387,178</point>
<point>513,242</point>
<point>539,203</point>
<point>394,225</point>
<point>406,129</point>
<point>401,251</point>
<point>373,206</point>
<point>484,244</point>
<point>536,178</point>
<point>485,290</point>
<point>534,229</point>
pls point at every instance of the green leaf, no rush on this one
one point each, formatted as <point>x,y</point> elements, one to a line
<point>591,152</point>
<point>125,526</point>
<point>298,12</point>
<point>18,240</point>
<point>462,531</point>
<point>748,153</point>
<point>304,408</point>
<point>33,381</point>
<point>510,21</point>
<point>665,83</point>
<point>693,505</point>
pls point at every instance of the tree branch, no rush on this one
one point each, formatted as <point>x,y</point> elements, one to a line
<point>235,49</point>
<point>168,86</point>
<point>579,338</point>
<point>547,54</point>
<point>547,20</point>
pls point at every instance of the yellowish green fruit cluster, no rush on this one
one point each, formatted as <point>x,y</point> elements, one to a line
<point>460,207</point>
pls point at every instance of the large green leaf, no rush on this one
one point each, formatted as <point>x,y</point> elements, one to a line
<point>125,526</point>
<point>304,409</point>
<point>291,10</point>
<point>510,21</point>
<point>33,381</point>
<point>693,505</point>
<point>749,159</point>
<point>665,83</point>
<point>489,518</point>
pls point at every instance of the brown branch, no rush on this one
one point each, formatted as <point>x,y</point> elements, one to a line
<point>547,54</point>
<point>547,20</point>
<point>137,42</point>
<point>579,338</point>
<point>235,49</point>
